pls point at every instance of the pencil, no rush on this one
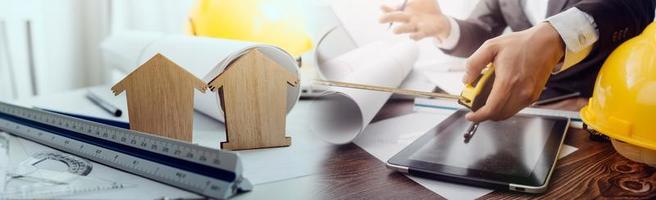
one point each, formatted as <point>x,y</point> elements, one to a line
<point>405,2</point>
<point>111,109</point>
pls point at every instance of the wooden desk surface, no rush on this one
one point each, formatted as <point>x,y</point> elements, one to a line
<point>594,171</point>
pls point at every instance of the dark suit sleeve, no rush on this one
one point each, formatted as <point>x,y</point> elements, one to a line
<point>485,22</point>
<point>618,20</point>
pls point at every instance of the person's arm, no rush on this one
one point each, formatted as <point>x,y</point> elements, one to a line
<point>524,60</point>
<point>418,18</point>
<point>423,18</point>
<point>618,20</point>
<point>579,33</point>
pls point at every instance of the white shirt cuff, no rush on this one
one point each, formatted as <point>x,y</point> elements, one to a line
<point>579,33</point>
<point>454,35</point>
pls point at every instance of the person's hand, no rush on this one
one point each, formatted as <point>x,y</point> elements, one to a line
<point>523,62</point>
<point>419,19</point>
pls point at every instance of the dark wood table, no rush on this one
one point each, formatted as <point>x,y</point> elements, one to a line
<point>595,170</point>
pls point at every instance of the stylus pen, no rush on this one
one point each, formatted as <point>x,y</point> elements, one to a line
<point>470,131</point>
<point>111,109</point>
<point>405,2</point>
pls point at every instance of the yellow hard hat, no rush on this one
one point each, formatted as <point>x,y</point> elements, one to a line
<point>275,22</point>
<point>623,104</point>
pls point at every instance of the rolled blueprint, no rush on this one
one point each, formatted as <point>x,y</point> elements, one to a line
<point>204,57</point>
<point>342,113</point>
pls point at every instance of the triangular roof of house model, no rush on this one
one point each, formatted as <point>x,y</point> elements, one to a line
<point>254,54</point>
<point>158,61</point>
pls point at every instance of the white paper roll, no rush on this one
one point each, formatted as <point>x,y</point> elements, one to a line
<point>340,115</point>
<point>204,57</point>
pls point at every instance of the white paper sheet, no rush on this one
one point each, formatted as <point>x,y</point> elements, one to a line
<point>360,19</point>
<point>449,81</point>
<point>302,158</point>
<point>99,176</point>
<point>204,57</point>
<point>385,138</point>
<point>337,42</point>
<point>343,113</point>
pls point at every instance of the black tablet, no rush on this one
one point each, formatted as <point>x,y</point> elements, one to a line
<point>516,154</point>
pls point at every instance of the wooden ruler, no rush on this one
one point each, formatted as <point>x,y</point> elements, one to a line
<point>386,89</point>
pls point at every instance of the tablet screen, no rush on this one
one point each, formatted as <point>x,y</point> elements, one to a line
<point>521,148</point>
<point>510,147</point>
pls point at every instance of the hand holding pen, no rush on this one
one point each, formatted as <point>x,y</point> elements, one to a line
<point>418,18</point>
<point>405,2</point>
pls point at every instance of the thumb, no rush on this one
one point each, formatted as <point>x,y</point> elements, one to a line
<point>477,62</point>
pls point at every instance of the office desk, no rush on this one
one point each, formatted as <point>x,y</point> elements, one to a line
<point>349,172</point>
<point>595,170</point>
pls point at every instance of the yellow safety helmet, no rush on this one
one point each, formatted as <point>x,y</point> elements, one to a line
<point>275,22</point>
<point>623,104</point>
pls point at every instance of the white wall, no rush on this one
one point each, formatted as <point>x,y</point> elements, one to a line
<point>68,34</point>
<point>168,16</point>
<point>61,51</point>
<point>7,90</point>
<point>60,54</point>
<point>15,61</point>
<point>52,45</point>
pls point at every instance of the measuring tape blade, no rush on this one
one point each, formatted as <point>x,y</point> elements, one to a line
<point>205,171</point>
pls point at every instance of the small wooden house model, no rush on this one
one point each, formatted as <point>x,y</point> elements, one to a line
<point>253,93</point>
<point>160,98</point>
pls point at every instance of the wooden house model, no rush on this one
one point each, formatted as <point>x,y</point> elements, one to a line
<point>253,93</point>
<point>160,98</point>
